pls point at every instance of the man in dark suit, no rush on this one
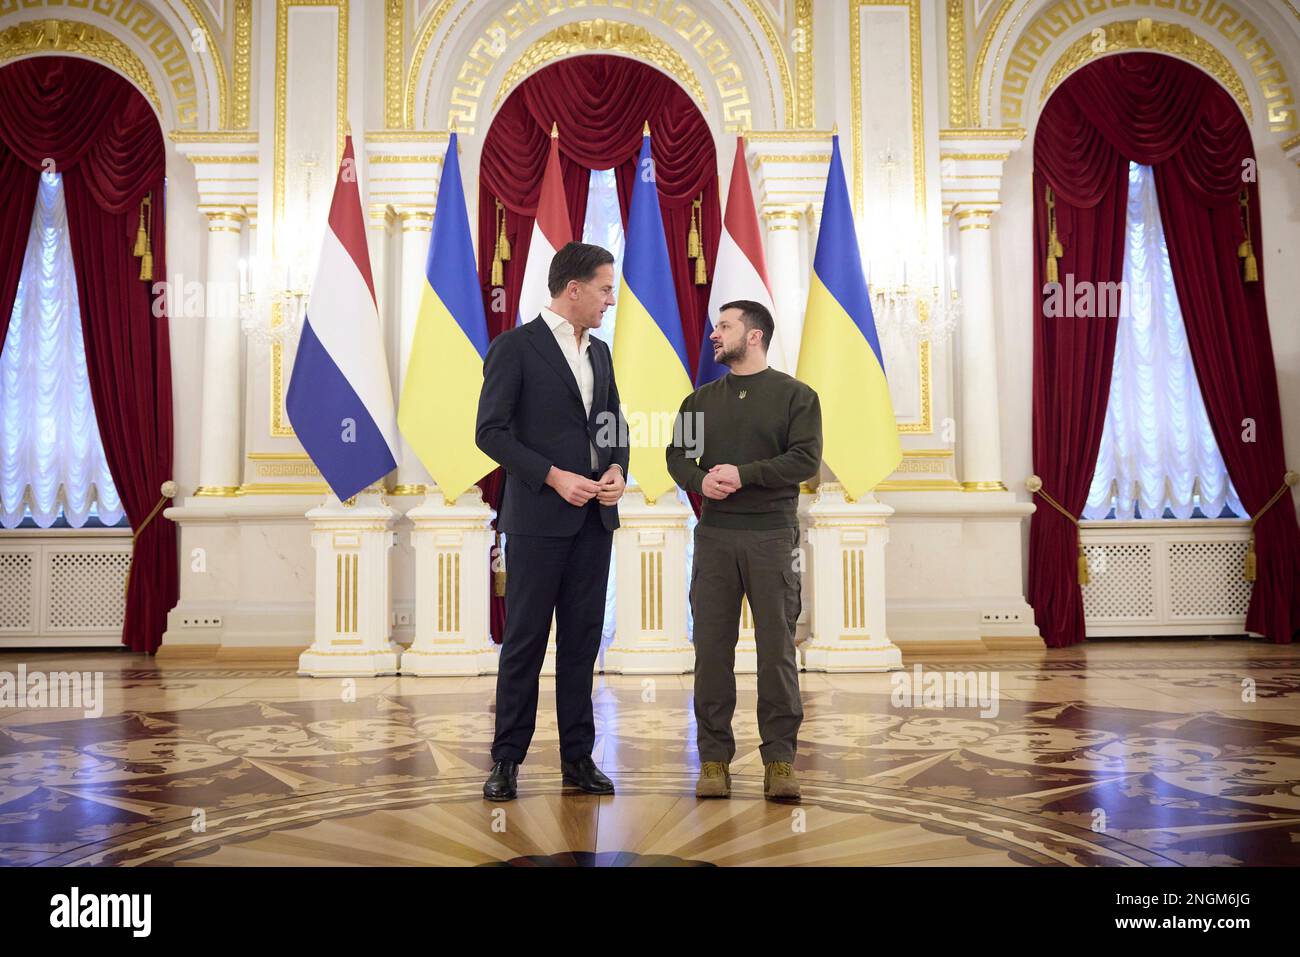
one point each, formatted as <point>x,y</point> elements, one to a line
<point>546,413</point>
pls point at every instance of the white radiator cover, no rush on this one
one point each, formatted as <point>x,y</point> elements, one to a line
<point>63,587</point>
<point>1165,578</point>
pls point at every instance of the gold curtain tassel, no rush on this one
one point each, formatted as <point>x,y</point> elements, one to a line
<point>701,277</point>
<point>693,237</point>
<point>1252,563</point>
<point>1054,248</point>
<point>143,245</point>
<point>1246,251</point>
<point>1250,266</point>
<point>1083,566</point>
<point>498,270</point>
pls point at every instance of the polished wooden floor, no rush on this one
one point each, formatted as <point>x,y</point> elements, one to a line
<point>1128,754</point>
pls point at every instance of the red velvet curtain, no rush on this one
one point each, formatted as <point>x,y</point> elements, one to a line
<point>601,104</point>
<point>1166,114</point>
<point>104,139</point>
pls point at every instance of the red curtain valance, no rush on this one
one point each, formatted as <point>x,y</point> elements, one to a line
<point>601,104</point>
<point>1164,113</point>
<point>104,140</point>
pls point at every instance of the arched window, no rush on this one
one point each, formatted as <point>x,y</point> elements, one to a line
<point>52,467</point>
<point>1158,456</point>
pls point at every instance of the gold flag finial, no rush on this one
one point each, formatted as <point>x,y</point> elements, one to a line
<point>555,130</point>
<point>835,129</point>
<point>646,131</point>
<point>451,126</point>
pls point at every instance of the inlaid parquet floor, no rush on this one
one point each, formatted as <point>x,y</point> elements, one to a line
<point>1125,754</point>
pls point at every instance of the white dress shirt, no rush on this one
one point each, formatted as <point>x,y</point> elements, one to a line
<point>576,353</point>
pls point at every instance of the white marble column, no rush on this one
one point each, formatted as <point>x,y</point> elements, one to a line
<point>980,440</point>
<point>220,467</point>
<point>784,253</point>
<point>412,477</point>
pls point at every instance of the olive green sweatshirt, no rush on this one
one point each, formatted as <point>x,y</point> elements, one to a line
<point>768,425</point>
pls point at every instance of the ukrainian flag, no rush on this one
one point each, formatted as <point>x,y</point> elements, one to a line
<point>445,372</point>
<point>649,347</point>
<point>840,353</point>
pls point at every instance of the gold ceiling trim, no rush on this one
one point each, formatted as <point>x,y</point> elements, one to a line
<point>613,36</point>
<point>805,87</point>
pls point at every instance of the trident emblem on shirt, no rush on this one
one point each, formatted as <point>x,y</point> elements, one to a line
<point>744,392</point>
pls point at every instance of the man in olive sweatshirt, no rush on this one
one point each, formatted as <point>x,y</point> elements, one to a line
<point>760,436</point>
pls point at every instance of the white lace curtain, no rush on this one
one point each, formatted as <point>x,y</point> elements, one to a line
<point>51,457</point>
<point>1157,449</point>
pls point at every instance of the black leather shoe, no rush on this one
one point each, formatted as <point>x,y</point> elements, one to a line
<point>500,785</point>
<point>584,775</point>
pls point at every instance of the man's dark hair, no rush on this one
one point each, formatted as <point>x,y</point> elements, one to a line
<point>576,261</point>
<point>755,316</point>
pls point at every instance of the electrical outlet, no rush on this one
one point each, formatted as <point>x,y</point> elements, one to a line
<point>1003,617</point>
<point>201,621</point>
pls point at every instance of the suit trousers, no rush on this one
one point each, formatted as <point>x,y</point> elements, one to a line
<point>545,575</point>
<point>730,564</point>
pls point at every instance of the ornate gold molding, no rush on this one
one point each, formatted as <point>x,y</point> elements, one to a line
<point>917,90</point>
<point>218,63</point>
<point>679,17</point>
<point>803,65</point>
<point>1145,34</point>
<point>394,51</point>
<point>1232,26</point>
<point>958,104</point>
<point>241,113</point>
<point>86,39</point>
<point>605,36</point>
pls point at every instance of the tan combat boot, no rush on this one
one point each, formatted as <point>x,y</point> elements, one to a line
<point>779,782</point>
<point>714,780</point>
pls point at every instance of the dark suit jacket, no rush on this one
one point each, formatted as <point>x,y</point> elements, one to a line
<point>530,417</point>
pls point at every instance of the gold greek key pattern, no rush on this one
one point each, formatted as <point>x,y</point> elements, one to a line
<point>586,35</point>
<point>1218,17</point>
<point>282,469</point>
<point>68,36</point>
<point>1133,35</point>
<point>958,105</point>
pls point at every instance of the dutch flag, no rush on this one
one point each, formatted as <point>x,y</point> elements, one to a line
<point>340,400</point>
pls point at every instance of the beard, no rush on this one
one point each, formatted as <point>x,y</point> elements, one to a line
<point>735,354</point>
